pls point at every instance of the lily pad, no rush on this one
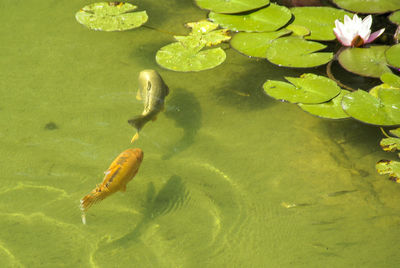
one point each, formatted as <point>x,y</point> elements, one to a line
<point>111,16</point>
<point>393,56</point>
<point>178,57</point>
<point>390,144</point>
<point>383,110</point>
<point>309,88</point>
<point>391,79</point>
<point>267,19</point>
<point>231,6</point>
<point>298,30</point>
<point>331,109</point>
<point>395,17</point>
<point>369,6</point>
<point>365,61</point>
<point>389,167</point>
<point>294,51</point>
<point>319,20</point>
<point>255,44</point>
<point>395,132</point>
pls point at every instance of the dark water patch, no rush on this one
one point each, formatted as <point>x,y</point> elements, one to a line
<point>51,126</point>
<point>184,108</point>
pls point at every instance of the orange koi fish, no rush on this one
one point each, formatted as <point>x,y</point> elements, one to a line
<point>121,171</point>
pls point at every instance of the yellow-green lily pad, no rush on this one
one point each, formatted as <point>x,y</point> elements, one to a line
<point>389,167</point>
<point>391,80</point>
<point>369,6</point>
<point>111,16</point>
<point>395,17</point>
<point>231,6</point>
<point>298,30</point>
<point>319,20</point>
<point>331,109</point>
<point>395,132</point>
<point>393,56</point>
<point>390,144</point>
<point>309,88</point>
<point>381,110</point>
<point>267,19</point>
<point>365,61</point>
<point>178,57</point>
<point>294,51</point>
<point>255,44</point>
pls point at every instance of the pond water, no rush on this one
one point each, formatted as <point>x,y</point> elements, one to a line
<point>230,177</point>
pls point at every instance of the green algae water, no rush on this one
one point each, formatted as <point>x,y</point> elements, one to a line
<point>230,177</point>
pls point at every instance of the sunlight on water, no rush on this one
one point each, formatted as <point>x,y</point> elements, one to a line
<point>230,177</point>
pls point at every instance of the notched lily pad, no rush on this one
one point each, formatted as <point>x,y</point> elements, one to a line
<point>319,20</point>
<point>393,56</point>
<point>390,144</point>
<point>369,6</point>
<point>111,16</point>
<point>231,6</point>
<point>382,109</point>
<point>255,44</point>
<point>395,132</point>
<point>298,30</point>
<point>294,51</point>
<point>178,57</point>
<point>331,109</point>
<point>389,167</point>
<point>267,19</point>
<point>309,88</point>
<point>365,61</point>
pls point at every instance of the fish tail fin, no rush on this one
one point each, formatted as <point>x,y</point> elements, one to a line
<point>138,121</point>
<point>89,200</point>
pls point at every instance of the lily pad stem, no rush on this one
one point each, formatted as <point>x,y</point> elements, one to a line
<point>330,75</point>
<point>384,132</point>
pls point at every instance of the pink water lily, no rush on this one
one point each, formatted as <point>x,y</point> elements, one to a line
<point>355,32</point>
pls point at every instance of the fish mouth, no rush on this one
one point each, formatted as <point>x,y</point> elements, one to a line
<point>139,154</point>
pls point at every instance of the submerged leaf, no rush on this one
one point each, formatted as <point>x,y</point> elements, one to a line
<point>319,20</point>
<point>393,56</point>
<point>111,16</point>
<point>267,19</point>
<point>390,144</point>
<point>365,61</point>
<point>177,57</point>
<point>255,44</point>
<point>231,6</point>
<point>294,51</point>
<point>309,88</point>
<point>389,167</point>
<point>382,109</point>
<point>331,109</point>
<point>369,6</point>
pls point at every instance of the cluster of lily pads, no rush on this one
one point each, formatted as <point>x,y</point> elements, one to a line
<point>287,37</point>
<point>391,167</point>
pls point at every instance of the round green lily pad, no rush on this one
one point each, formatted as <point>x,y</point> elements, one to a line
<point>179,58</point>
<point>267,19</point>
<point>111,16</point>
<point>231,6</point>
<point>393,56</point>
<point>395,17</point>
<point>331,109</point>
<point>395,132</point>
<point>294,51</point>
<point>309,88</point>
<point>319,20</point>
<point>383,110</point>
<point>255,44</point>
<point>391,80</point>
<point>369,6</point>
<point>365,61</point>
<point>389,167</point>
<point>390,144</point>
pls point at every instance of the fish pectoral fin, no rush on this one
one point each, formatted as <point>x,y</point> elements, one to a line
<point>154,118</point>
<point>138,95</point>
<point>135,137</point>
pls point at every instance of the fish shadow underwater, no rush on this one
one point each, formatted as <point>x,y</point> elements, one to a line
<point>184,108</point>
<point>169,198</point>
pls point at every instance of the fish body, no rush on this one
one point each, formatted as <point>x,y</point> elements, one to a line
<point>121,171</point>
<point>152,90</point>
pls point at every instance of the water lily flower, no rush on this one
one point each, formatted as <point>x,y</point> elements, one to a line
<point>355,32</point>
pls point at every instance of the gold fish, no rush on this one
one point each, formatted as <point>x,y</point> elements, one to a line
<point>121,171</point>
<point>153,91</point>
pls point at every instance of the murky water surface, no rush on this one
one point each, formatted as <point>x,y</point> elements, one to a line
<point>230,177</point>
